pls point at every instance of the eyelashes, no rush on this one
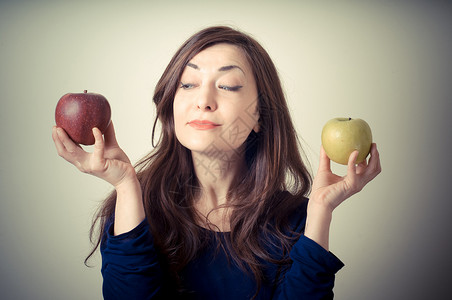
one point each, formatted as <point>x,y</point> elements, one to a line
<point>235,88</point>
<point>230,88</point>
<point>186,86</point>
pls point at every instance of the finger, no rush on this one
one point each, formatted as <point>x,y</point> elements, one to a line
<point>378,159</point>
<point>67,142</point>
<point>56,139</point>
<point>325,162</point>
<point>361,167</point>
<point>374,166</point>
<point>67,149</point>
<point>110,136</point>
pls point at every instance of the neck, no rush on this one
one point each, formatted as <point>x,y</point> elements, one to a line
<point>216,174</point>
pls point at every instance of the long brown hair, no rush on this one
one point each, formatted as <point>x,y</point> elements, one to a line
<point>259,205</point>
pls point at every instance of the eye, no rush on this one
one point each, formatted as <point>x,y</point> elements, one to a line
<point>186,86</point>
<point>230,88</point>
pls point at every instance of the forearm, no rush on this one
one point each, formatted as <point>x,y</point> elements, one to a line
<point>318,224</point>
<point>129,210</point>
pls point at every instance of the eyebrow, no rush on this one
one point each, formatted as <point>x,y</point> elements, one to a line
<point>222,69</point>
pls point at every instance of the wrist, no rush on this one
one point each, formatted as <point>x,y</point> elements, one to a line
<point>128,180</point>
<point>129,209</point>
<point>318,217</point>
<point>319,208</point>
<point>318,222</point>
<point>127,184</point>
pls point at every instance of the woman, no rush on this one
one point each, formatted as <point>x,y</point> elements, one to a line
<point>218,210</point>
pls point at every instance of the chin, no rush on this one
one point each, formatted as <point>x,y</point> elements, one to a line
<point>214,148</point>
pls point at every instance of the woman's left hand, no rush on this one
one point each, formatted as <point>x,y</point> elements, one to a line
<point>329,190</point>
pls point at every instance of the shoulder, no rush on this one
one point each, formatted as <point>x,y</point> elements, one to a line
<point>297,220</point>
<point>292,211</point>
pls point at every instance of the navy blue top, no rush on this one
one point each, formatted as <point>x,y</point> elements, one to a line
<point>131,269</point>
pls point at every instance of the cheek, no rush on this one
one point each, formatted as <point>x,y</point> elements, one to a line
<point>239,127</point>
<point>179,107</point>
<point>178,113</point>
<point>248,114</point>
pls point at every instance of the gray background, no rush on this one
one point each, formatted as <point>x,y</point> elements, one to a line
<point>387,62</point>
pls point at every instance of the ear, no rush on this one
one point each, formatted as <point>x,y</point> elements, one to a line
<point>256,127</point>
<point>257,117</point>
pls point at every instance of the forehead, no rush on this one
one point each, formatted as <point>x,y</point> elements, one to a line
<point>221,55</point>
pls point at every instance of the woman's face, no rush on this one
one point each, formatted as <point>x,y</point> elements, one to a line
<point>215,106</point>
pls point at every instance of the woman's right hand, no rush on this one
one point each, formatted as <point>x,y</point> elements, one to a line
<point>107,161</point>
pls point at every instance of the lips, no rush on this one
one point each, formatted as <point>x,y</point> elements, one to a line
<point>203,124</point>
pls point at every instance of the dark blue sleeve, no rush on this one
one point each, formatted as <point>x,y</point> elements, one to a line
<point>312,273</point>
<point>130,265</point>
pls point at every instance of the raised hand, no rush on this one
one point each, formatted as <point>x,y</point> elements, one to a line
<point>330,190</point>
<point>107,161</point>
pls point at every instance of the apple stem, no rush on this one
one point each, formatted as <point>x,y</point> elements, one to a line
<point>85,91</point>
<point>349,119</point>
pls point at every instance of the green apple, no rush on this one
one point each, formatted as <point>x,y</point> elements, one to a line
<point>342,136</point>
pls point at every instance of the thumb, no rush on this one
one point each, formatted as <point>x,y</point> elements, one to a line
<point>325,162</point>
<point>351,165</point>
<point>99,145</point>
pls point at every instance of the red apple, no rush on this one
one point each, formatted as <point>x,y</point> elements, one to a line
<point>79,113</point>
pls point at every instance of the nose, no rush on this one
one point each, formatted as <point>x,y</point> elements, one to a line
<point>206,100</point>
